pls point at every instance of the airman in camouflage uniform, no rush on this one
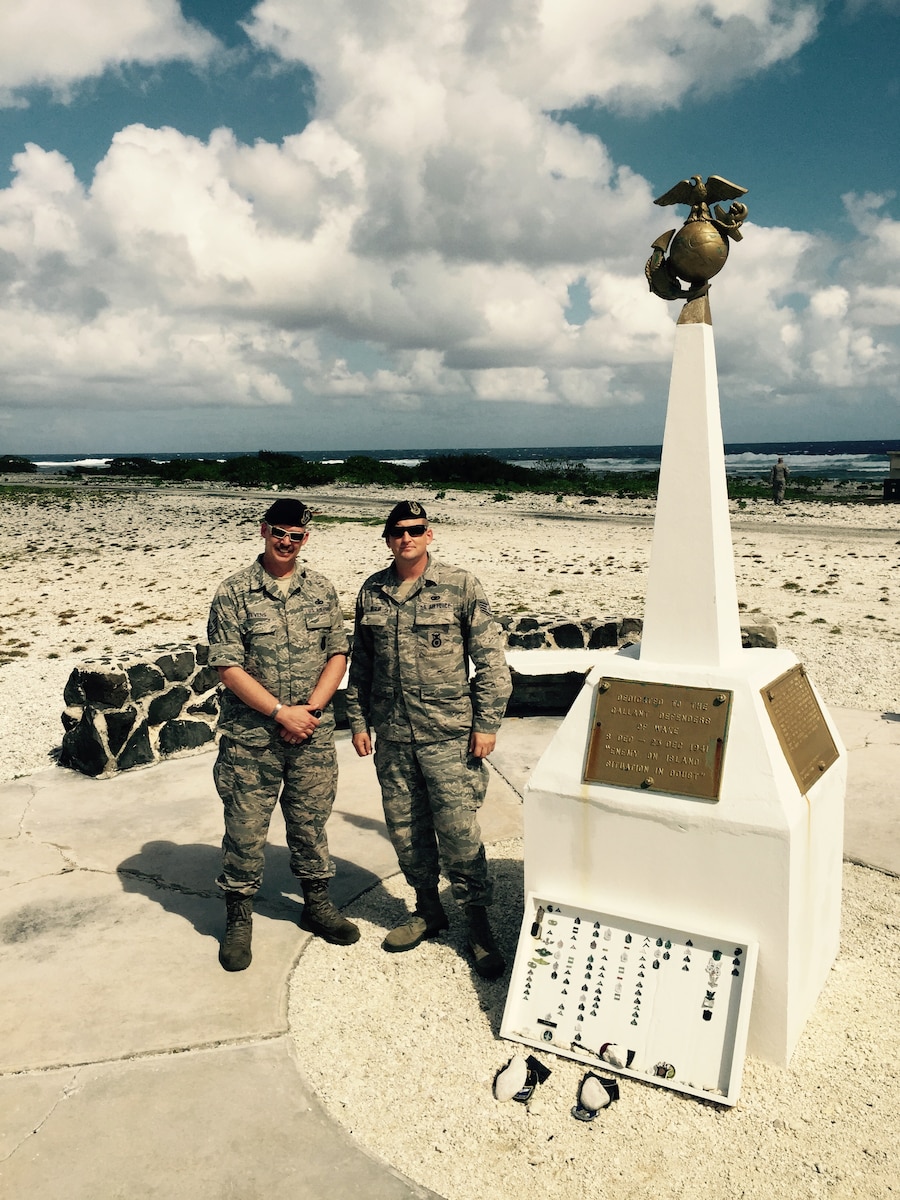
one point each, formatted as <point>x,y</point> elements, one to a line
<point>780,474</point>
<point>418,624</point>
<point>276,634</point>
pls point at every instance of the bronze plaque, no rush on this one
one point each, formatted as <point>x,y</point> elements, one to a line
<point>658,737</point>
<point>798,721</point>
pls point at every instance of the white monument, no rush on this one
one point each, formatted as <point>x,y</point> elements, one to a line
<point>694,786</point>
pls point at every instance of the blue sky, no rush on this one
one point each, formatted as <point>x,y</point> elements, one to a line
<point>227,225</point>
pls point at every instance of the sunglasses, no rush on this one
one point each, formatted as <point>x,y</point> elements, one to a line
<point>279,533</point>
<point>397,531</point>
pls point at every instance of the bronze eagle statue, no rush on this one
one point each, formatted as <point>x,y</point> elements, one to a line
<point>701,246</point>
<point>700,195</point>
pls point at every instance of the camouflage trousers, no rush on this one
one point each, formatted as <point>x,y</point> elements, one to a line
<point>431,795</point>
<point>249,779</point>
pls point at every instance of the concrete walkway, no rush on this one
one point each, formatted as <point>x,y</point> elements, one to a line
<point>131,1064</point>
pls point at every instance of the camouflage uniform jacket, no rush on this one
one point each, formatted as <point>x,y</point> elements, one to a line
<point>282,641</point>
<point>409,673</point>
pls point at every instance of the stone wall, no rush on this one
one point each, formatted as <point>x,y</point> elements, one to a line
<point>551,631</point>
<point>142,708</point>
<point>135,710</point>
<point>549,687</point>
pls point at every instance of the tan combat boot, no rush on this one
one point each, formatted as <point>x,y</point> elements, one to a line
<point>427,921</point>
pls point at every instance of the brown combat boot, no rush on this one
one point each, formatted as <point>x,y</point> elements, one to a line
<point>322,918</point>
<point>234,952</point>
<point>427,921</point>
<point>486,956</point>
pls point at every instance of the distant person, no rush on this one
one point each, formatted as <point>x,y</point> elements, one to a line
<point>780,475</point>
<point>418,623</point>
<point>276,634</point>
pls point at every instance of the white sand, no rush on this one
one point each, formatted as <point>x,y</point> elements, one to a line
<point>91,572</point>
<point>408,1069</point>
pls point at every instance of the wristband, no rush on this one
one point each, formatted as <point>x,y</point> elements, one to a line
<point>276,710</point>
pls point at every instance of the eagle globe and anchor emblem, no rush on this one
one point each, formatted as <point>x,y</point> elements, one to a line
<point>699,249</point>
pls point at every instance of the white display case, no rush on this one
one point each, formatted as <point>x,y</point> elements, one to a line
<point>675,1003</point>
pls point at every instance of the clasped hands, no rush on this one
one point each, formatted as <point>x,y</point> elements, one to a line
<point>298,722</point>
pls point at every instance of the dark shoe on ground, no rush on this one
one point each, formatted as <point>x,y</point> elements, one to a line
<point>486,956</point>
<point>234,952</point>
<point>322,918</point>
<point>428,920</point>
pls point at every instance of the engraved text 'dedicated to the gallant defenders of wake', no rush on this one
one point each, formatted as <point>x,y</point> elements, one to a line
<point>658,737</point>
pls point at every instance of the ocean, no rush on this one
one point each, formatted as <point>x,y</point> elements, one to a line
<point>856,460</point>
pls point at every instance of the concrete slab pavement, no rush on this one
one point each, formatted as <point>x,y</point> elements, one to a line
<point>871,827</point>
<point>234,1121</point>
<point>130,1063</point>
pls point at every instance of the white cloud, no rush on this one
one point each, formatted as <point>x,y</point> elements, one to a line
<point>880,304</point>
<point>392,66</point>
<point>512,383</point>
<point>417,374</point>
<point>830,304</point>
<point>431,214</point>
<point>45,43</point>
<point>785,328</point>
<point>108,362</point>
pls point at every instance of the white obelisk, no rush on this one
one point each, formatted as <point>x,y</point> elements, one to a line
<point>763,860</point>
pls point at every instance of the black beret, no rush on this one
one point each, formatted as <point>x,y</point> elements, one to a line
<point>406,510</point>
<point>288,512</point>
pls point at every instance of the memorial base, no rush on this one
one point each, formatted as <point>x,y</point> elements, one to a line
<point>752,855</point>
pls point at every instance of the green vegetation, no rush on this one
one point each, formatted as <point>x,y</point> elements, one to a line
<point>12,464</point>
<point>462,472</point>
<point>469,472</point>
<point>804,487</point>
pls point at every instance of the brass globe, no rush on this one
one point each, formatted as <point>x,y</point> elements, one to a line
<point>698,251</point>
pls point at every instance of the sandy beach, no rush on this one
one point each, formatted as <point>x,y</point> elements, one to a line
<point>409,1072</point>
<point>93,571</point>
<point>89,571</point>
